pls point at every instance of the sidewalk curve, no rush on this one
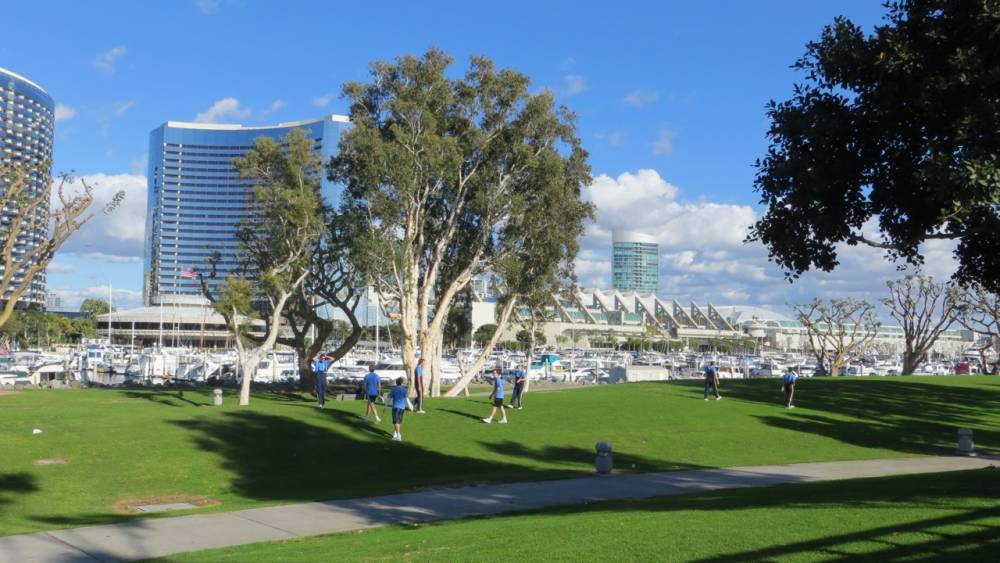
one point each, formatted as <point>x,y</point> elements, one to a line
<point>157,537</point>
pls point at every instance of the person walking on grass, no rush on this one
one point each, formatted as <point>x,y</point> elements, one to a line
<point>788,386</point>
<point>712,381</point>
<point>399,397</point>
<point>320,365</point>
<point>520,377</point>
<point>497,396</point>
<point>418,385</point>
<point>373,389</point>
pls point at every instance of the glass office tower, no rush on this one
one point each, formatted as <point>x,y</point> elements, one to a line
<point>636,262</point>
<point>27,121</point>
<point>196,199</point>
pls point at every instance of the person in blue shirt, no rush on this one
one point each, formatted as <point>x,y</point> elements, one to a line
<point>399,397</point>
<point>373,389</point>
<point>320,365</point>
<point>497,396</point>
<point>520,377</point>
<point>788,386</point>
<point>418,385</point>
<point>712,381</point>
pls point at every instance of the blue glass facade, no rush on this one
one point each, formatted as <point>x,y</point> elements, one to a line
<point>27,123</point>
<point>636,262</point>
<point>196,199</point>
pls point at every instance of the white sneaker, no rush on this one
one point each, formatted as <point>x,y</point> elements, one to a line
<point>719,398</point>
<point>488,420</point>
<point>504,421</point>
<point>791,406</point>
<point>519,408</point>
<point>395,439</point>
<point>377,419</point>
<point>421,411</point>
<point>706,398</point>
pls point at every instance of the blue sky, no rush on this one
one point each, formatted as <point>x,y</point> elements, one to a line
<point>669,95</point>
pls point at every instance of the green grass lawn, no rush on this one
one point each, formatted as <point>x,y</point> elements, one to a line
<point>141,444</point>
<point>947,516</point>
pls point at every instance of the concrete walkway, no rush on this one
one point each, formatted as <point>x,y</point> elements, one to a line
<point>158,537</point>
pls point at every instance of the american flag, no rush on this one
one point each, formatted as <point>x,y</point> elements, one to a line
<point>189,274</point>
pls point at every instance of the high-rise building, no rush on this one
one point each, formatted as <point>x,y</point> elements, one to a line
<point>636,262</point>
<point>27,121</point>
<point>196,199</point>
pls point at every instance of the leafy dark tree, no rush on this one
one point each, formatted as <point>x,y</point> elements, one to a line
<point>484,333</point>
<point>93,307</point>
<point>897,128</point>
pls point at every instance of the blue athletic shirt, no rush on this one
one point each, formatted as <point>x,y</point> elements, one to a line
<point>398,397</point>
<point>710,371</point>
<point>519,375</point>
<point>419,372</point>
<point>498,385</point>
<point>320,365</point>
<point>790,377</point>
<point>372,383</point>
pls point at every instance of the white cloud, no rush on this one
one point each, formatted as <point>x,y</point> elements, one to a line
<point>207,7</point>
<point>139,164</point>
<point>574,84</point>
<point>322,101</point>
<point>59,268</point>
<point>111,113</point>
<point>703,256</point>
<point>123,298</point>
<point>118,236</point>
<point>105,62</point>
<point>616,138</point>
<point>64,113</point>
<point>664,143</point>
<point>275,106</point>
<point>226,108</point>
<point>642,97</point>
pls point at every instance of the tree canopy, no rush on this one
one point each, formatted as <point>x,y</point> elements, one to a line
<point>898,128</point>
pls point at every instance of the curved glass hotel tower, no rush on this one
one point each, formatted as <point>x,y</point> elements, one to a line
<point>196,198</point>
<point>636,262</point>
<point>27,121</point>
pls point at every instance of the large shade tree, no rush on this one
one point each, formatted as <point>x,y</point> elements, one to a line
<point>897,128</point>
<point>277,242</point>
<point>444,173</point>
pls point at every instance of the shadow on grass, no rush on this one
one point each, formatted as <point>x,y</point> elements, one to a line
<point>174,398</point>
<point>623,461</point>
<point>478,419</point>
<point>13,485</point>
<point>888,413</point>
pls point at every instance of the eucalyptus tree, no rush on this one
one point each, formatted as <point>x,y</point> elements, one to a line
<point>277,242</point>
<point>446,175</point>
<point>978,310</point>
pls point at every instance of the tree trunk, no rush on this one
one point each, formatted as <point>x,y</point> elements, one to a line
<point>477,366</point>
<point>910,362</point>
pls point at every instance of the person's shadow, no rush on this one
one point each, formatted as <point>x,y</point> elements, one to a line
<point>460,413</point>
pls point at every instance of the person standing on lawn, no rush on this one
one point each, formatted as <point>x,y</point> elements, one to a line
<point>788,386</point>
<point>373,389</point>
<point>418,385</point>
<point>320,365</point>
<point>399,397</point>
<point>712,381</point>
<point>520,377</point>
<point>497,396</point>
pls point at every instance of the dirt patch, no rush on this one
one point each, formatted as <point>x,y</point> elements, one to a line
<point>52,461</point>
<point>2,392</point>
<point>130,506</point>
